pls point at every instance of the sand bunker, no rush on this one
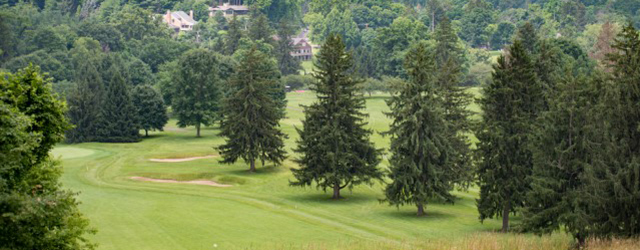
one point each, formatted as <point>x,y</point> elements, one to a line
<point>195,182</point>
<point>183,159</point>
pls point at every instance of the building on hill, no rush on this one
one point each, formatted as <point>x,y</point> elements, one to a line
<point>303,49</point>
<point>229,8</point>
<point>179,20</point>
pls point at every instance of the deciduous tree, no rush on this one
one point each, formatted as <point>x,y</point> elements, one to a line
<point>196,91</point>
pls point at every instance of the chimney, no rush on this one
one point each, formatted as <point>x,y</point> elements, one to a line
<point>167,17</point>
<point>191,14</point>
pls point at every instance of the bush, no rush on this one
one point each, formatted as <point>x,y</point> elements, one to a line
<point>297,81</point>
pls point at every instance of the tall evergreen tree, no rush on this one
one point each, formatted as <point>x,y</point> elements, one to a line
<point>251,114</point>
<point>287,64</point>
<point>84,102</point>
<point>234,34</point>
<point>118,120</point>
<point>449,60</point>
<point>614,184</point>
<point>151,111</point>
<point>529,38</point>
<point>259,29</point>
<point>510,104</point>
<point>562,146</point>
<point>421,161</point>
<point>334,147</point>
<point>447,43</point>
<point>196,90</point>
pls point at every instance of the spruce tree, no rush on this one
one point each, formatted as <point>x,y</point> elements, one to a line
<point>449,60</point>
<point>334,146</point>
<point>196,89</point>
<point>287,64</point>
<point>118,120</point>
<point>151,111</point>
<point>562,146</point>
<point>529,38</point>
<point>447,44</point>
<point>234,34</point>
<point>251,114</point>
<point>421,161</point>
<point>510,104</point>
<point>613,185</point>
<point>84,103</point>
<point>259,29</point>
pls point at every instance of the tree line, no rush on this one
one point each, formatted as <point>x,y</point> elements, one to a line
<point>557,138</point>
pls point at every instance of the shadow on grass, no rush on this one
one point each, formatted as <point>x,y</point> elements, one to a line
<point>153,136</point>
<point>266,170</point>
<point>325,198</point>
<point>405,214</point>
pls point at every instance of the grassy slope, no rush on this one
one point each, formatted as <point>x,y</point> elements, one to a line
<point>260,211</point>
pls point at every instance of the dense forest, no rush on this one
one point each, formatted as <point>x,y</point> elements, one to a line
<point>558,139</point>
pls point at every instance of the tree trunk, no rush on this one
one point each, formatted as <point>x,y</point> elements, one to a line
<point>253,166</point>
<point>505,216</point>
<point>146,133</point>
<point>433,21</point>
<point>198,130</point>
<point>420,210</point>
<point>336,191</point>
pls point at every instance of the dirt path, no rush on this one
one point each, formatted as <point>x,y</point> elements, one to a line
<point>195,182</point>
<point>183,159</point>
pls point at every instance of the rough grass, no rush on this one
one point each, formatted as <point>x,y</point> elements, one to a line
<point>260,211</point>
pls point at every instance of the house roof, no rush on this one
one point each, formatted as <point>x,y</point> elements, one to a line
<point>183,16</point>
<point>230,7</point>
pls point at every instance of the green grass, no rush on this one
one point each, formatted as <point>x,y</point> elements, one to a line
<point>260,211</point>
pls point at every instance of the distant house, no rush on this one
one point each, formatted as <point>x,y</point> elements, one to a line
<point>179,20</point>
<point>230,8</point>
<point>302,48</point>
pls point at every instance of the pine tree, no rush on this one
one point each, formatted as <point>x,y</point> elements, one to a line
<point>196,90</point>
<point>334,147</point>
<point>613,185</point>
<point>152,113</point>
<point>251,115</point>
<point>421,161</point>
<point>510,104</point>
<point>84,103</point>
<point>118,120</point>
<point>260,29</point>
<point>562,146</point>
<point>287,64</point>
<point>234,34</point>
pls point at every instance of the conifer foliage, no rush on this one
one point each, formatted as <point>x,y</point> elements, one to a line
<point>118,117</point>
<point>614,185</point>
<point>562,146</point>
<point>510,104</point>
<point>287,64</point>
<point>251,114</point>
<point>421,161</point>
<point>151,111</point>
<point>334,147</point>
